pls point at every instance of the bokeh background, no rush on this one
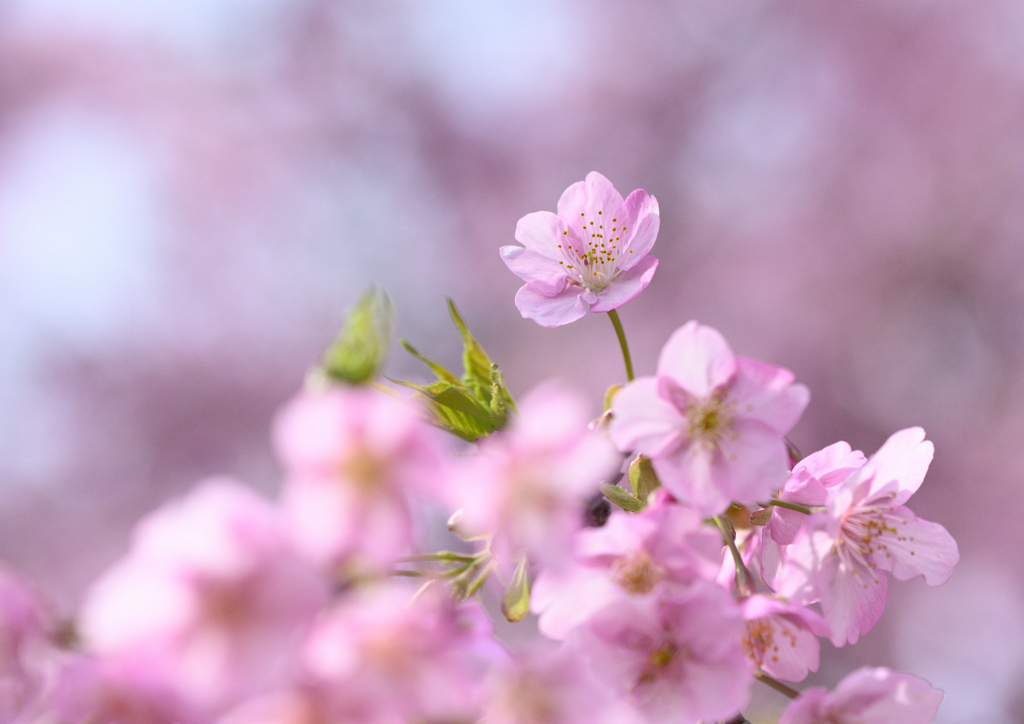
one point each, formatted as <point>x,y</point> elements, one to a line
<point>193,191</point>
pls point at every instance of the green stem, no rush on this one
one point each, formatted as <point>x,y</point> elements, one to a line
<point>798,507</point>
<point>622,343</point>
<point>744,579</point>
<point>777,685</point>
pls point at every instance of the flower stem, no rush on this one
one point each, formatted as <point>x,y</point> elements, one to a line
<point>622,343</point>
<point>777,685</point>
<point>744,579</point>
<point>798,507</point>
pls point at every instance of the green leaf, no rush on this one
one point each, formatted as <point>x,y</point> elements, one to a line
<point>475,361</point>
<point>515,604</point>
<point>621,498</point>
<point>358,352</point>
<point>441,372</point>
<point>642,478</point>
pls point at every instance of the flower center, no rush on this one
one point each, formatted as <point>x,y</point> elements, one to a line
<point>592,252</point>
<point>709,419</point>
<point>637,573</point>
<point>760,644</point>
<point>657,663</point>
<point>858,541</point>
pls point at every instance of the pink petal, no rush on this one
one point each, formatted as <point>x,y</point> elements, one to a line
<point>698,358</point>
<point>917,548</point>
<point>881,696</point>
<point>899,466</point>
<point>643,421</point>
<point>541,232</point>
<point>766,393</point>
<point>640,212</point>
<point>691,476</point>
<point>852,600</point>
<point>541,272</point>
<point>626,286</point>
<point>564,601</point>
<point>751,462</point>
<point>589,196</point>
<point>554,311</point>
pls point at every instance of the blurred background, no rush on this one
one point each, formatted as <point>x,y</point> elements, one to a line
<point>193,191</point>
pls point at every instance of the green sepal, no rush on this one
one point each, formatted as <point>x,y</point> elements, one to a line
<point>358,352</point>
<point>475,405</point>
<point>621,498</point>
<point>609,396</point>
<point>515,604</point>
<point>642,478</point>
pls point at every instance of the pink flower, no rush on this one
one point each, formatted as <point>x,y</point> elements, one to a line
<point>388,654</point>
<point>631,555</point>
<point>353,457</point>
<point>25,648</point>
<point>528,485</point>
<point>712,424</point>
<point>868,696</point>
<point>676,657</point>
<point>591,255</point>
<point>211,602</point>
<point>554,688</point>
<point>839,556</point>
<point>782,638</point>
<point>809,484</point>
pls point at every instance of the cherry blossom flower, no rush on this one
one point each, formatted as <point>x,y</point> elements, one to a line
<point>676,656</point>
<point>383,655</point>
<point>591,255</point>
<point>782,638</point>
<point>353,457</point>
<point>211,601</point>
<point>867,696</point>
<point>24,646</point>
<point>712,424</point>
<point>552,688</point>
<point>528,485</point>
<point>839,557</point>
<point>809,484</point>
<point>632,555</point>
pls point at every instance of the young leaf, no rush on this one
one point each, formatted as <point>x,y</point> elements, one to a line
<point>358,352</point>
<point>475,361</point>
<point>642,478</point>
<point>621,498</point>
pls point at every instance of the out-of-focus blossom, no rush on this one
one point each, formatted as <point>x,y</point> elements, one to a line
<point>116,691</point>
<point>712,424</point>
<point>676,657</point>
<point>839,557</point>
<point>555,688</point>
<point>528,485</point>
<point>211,602</point>
<point>867,696</point>
<point>632,555</point>
<point>591,255</point>
<point>809,484</point>
<point>352,457</point>
<point>382,655</point>
<point>24,647</point>
<point>782,638</point>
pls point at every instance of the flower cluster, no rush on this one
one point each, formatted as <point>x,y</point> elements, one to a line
<point>725,561</point>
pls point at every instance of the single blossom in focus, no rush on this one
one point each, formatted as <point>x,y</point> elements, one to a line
<point>211,602</point>
<point>528,485</point>
<point>353,457</point>
<point>839,557</point>
<point>676,656</point>
<point>591,255</point>
<point>633,554</point>
<point>867,696</point>
<point>711,423</point>
<point>782,638</point>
